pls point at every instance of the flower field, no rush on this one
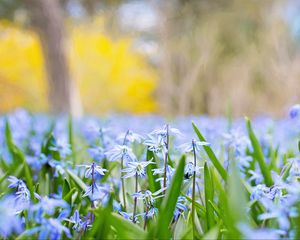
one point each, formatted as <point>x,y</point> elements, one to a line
<point>126,177</point>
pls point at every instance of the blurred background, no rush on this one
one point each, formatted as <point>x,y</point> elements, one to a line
<point>176,57</point>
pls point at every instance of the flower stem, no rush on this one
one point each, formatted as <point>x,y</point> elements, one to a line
<point>145,223</point>
<point>123,186</point>
<point>194,189</point>
<point>91,214</point>
<point>135,198</point>
<point>122,179</point>
<point>166,157</point>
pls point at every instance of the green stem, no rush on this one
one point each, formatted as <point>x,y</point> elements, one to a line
<point>135,199</point>
<point>123,186</point>
<point>122,179</point>
<point>166,158</point>
<point>194,190</point>
<point>145,223</point>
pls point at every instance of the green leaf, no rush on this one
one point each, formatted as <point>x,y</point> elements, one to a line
<point>47,144</point>
<point>71,138</point>
<point>286,170</point>
<point>237,205</point>
<point>153,184</point>
<point>68,196</point>
<point>221,170</point>
<point>126,229</point>
<point>168,204</point>
<point>76,180</point>
<point>259,156</point>
<point>209,196</point>
<point>201,209</point>
<point>101,225</point>
<point>18,160</point>
<point>66,188</point>
<point>216,209</point>
<point>212,234</point>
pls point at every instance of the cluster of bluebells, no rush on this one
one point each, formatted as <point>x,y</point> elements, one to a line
<point>110,161</point>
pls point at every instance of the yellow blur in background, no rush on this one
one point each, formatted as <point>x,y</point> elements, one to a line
<point>110,75</point>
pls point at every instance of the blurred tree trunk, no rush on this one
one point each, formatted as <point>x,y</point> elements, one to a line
<point>47,18</point>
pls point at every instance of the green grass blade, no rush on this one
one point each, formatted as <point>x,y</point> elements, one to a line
<point>201,209</point>
<point>76,180</point>
<point>101,226</point>
<point>153,184</point>
<point>169,203</point>
<point>237,206</point>
<point>221,170</point>
<point>212,234</point>
<point>126,229</point>
<point>18,159</point>
<point>209,196</point>
<point>259,156</point>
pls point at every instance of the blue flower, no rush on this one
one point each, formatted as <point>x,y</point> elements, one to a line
<point>261,233</point>
<point>93,168</point>
<point>189,170</point>
<point>148,197</point>
<point>188,147</point>
<point>48,205</point>
<point>15,182</point>
<point>180,207</point>
<point>160,171</point>
<point>129,216</point>
<point>121,152</point>
<point>75,219</point>
<point>135,168</point>
<point>9,221</point>
<point>294,111</point>
<point>155,144</point>
<point>96,192</point>
<point>131,137</point>
<point>62,146</point>
<point>166,130</point>
<point>96,153</point>
<point>50,229</point>
<point>260,191</point>
<point>22,196</point>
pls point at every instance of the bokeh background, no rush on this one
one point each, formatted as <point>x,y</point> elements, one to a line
<point>176,57</point>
